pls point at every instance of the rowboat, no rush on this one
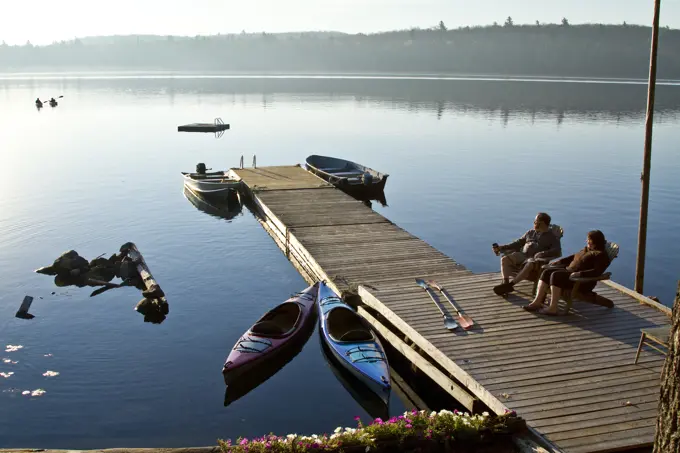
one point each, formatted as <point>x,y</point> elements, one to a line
<point>272,334</point>
<point>353,343</point>
<point>345,174</point>
<point>210,184</point>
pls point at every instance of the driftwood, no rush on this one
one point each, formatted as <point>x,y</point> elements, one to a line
<point>154,306</point>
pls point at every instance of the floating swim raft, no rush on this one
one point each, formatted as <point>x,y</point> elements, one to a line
<point>217,126</point>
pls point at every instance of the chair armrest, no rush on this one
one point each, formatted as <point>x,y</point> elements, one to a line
<point>576,278</point>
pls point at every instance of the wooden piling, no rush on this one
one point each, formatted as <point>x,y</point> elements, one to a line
<point>647,160</point>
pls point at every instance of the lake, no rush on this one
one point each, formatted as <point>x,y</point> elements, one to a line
<point>470,161</point>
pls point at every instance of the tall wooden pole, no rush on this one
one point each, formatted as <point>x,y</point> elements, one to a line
<point>644,201</point>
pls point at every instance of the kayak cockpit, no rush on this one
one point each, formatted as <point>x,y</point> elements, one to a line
<point>279,322</point>
<point>345,326</point>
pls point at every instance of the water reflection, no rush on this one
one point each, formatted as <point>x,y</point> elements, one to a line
<point>509,99</point>
<point>368,199</point>
<point>367,399</point>
<point>222,208</point>
<point>255,377</point>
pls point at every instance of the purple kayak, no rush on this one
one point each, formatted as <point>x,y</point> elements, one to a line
<point>272,334</point>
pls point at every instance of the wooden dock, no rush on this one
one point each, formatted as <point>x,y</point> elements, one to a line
<point>572,378</point>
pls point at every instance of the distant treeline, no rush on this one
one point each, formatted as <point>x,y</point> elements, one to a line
<point>620,51</point>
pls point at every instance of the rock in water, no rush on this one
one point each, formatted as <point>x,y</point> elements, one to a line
<point>70,261</point>
<point>66,256</point>
<point>47,270</point>
<point>127,270</point>
<point>99,262</point>
<point>154,311</point>
<point>143,305</point>
<point>102,269</point>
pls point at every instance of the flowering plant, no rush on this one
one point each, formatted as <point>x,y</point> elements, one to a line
<point>443,428</point>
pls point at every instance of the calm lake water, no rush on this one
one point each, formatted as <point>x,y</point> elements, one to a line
<point>471,162</point>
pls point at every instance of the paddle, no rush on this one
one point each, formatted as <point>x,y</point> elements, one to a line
<point>464,320</point>
<point>449,322</point>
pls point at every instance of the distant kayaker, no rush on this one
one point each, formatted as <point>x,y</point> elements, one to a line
<point>38,102</point>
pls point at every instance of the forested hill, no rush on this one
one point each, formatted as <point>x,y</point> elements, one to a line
<point>620,51</point>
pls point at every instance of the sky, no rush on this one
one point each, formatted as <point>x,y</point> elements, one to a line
<point>45,21</point>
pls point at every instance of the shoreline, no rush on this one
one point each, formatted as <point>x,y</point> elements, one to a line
<point>113,74</point>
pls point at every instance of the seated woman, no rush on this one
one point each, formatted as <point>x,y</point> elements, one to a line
<point>592,261</point>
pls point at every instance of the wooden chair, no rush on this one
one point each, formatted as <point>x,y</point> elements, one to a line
<point>590,296</point>
<point>659,335</point>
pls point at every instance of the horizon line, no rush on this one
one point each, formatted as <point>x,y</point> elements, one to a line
<point>377,32</point>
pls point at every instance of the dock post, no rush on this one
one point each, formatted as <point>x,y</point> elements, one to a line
<point>647,160</point>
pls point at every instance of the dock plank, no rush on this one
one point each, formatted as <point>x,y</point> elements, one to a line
<point>556,372</point>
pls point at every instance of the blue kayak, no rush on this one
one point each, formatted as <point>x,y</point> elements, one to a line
<point>352,342</point>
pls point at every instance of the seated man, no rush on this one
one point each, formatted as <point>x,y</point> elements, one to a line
<point>540,243</point>
<point>592,261</point>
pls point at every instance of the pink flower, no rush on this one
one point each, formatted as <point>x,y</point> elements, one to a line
<point>429,436</point>
<point>408,425</point>
<point>401,417</point>
<point>244,441</point>
<point>268,445</point>
<point>357,418</point>
<point>379,421</point>
<point>315,445</point>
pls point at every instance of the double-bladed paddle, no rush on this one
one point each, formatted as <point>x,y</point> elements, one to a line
<point>464,320</point>
<point>449,322</point>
